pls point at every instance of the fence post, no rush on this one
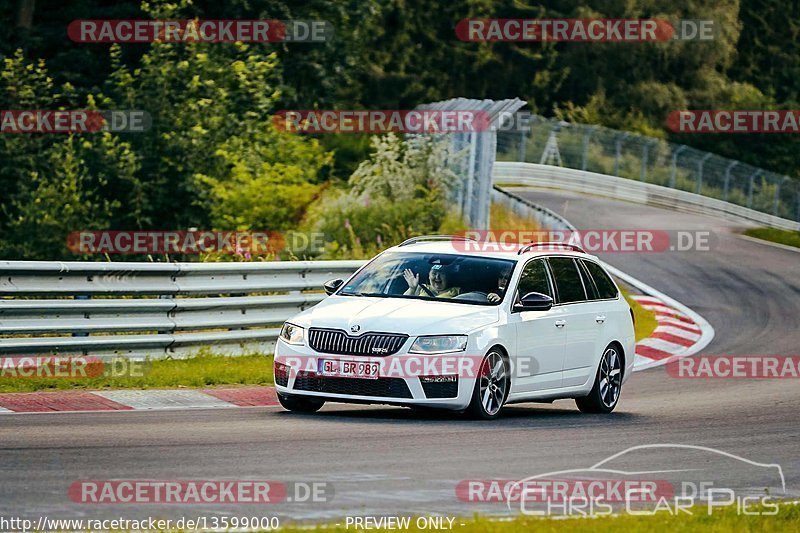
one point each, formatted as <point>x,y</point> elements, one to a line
<point>673,175</point>
<point>728,180</point>
<point>473,148</point>
<point>753,176</point>
<point>645,157</point>
<point>700,172</point>
<point>618,152</point>
<point>587,136</point>
<point>521,148</point>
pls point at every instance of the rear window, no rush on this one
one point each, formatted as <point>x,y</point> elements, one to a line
<point>588,284</point>
<point>568,280</point>
<point>605,286</point>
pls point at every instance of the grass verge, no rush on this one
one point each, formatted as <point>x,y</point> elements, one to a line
<point>780,236</point>
<point>204,370</point>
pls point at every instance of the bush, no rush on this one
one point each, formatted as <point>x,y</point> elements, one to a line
<point>399,192</point>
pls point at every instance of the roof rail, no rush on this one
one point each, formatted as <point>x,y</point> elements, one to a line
<point>422,238</point>
<point>573,247</point>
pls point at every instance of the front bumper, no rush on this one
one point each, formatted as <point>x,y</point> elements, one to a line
<point>296,375</point>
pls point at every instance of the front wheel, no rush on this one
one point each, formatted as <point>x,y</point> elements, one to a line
<point>607,384</point>
<point>299,404</point>
<point>491,387</point>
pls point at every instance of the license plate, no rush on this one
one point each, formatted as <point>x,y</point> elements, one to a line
<point>347,369</point>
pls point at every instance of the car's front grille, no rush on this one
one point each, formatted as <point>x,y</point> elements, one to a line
<point>375,388</point>
<point>338,342</point>
<point>440,389</point>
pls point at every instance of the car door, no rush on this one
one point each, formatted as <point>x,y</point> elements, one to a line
<point>540,335</point>
<point>580,313</point>
<point>608,314</point>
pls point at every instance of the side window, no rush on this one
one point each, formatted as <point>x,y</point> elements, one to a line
<point>588,284</point>
<point>568,280</point>
<point>534,279</point>
<point>605,286</point>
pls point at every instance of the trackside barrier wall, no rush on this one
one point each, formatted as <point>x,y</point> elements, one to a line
<point>547,176</point>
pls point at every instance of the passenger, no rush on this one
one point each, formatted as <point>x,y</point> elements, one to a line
<point>439,283</point>
<point>502,284</point>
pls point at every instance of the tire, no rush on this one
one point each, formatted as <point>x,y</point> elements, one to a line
<point>491,387</point>
<point>299,404</point>
<point>607,384</point>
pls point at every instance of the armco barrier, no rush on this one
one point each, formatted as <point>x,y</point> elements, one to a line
<point>153,309</point>
<point>535,175</point>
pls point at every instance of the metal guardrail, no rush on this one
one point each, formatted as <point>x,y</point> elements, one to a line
<point>154,309</point>
<point>530,174</point>
<point>544,217</point>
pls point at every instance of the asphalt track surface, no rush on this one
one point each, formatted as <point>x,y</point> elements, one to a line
<point>387,461</point>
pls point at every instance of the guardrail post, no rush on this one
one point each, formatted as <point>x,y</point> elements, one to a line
<point>618,152</point>
<point>753,176</point>
<point>700,172</point>
<point>728,180</point>
<point>673,174</point>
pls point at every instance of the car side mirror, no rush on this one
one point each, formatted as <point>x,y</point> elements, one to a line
<point>534,301</point>
<point>332,285</point>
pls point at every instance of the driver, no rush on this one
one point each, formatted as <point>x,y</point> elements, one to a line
<point>438,288</point>
<point>502,284</point>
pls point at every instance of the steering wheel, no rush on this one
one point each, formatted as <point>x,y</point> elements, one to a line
<point>426,289</point>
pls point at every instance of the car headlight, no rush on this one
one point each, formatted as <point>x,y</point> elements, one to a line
<point>435,344</point>
<point>292,334</point>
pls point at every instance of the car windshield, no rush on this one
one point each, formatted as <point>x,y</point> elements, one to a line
<point>457,278</point>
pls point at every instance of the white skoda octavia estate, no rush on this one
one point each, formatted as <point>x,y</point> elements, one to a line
<point>445,322</point>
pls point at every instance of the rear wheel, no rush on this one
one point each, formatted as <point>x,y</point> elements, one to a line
<point>491,387</point>
<point>300,404</point>
<point>607,384</point>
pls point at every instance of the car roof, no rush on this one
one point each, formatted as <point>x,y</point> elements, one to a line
<point>486,249</point>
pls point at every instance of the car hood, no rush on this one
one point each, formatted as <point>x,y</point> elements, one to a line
<point>400,315</point>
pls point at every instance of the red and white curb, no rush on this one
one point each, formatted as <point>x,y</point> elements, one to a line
<point>680,331</point>
<point>136,400</point>
<point>674,336</point>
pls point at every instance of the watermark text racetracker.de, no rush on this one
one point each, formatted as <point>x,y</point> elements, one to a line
<point>734,367</point>
<point>734,121</point>
<point>591,240</point>
<point>596,30</point>
<point>71,367</point>
<point>135,242</point>
<point>198,491</point>
<point>73,121</point>
<point>206,31</point>
<point>443,368</point>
